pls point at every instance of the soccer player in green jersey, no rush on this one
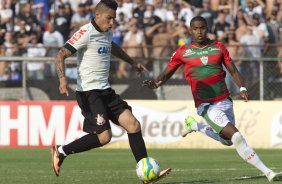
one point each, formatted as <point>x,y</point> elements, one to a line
<point>203,61</point>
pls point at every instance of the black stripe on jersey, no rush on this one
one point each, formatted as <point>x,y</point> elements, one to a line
<point>70,48</point>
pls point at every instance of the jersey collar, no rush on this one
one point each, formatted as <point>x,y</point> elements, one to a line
<point>208,43</point>
<point>95,25</point>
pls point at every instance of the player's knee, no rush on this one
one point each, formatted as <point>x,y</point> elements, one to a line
<point>228,131</point>
<point>238,139</point>
<point>134,126</point>
<point>105,137</point>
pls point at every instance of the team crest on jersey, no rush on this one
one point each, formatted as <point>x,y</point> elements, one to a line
<point>204,60</point>
<point>100,119</point>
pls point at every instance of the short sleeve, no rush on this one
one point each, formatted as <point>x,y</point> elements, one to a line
<point>225,53</point>
<point>78,40</point>
<point>176,60</point>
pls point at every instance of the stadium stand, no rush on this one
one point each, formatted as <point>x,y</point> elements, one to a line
<point>149,30</point>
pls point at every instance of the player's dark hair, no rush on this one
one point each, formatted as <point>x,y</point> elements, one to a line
<point>198,18</point>
<point>103,4</point>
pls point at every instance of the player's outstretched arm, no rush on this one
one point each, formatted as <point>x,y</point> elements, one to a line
<point>118,52</point>
<point>161,79</point>
<point>60,67</point>
<point>238,79</point>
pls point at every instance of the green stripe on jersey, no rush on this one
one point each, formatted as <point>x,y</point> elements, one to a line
<point>204,71</point>
<point>198,52</point>
<point>211,91</point>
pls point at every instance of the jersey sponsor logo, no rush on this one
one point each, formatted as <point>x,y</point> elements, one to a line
<point>189,52</point>
<point>204,52</point>
<point>213,48</point>
<point>77,36</point>
<point>207,52</point>
<point>204,60</point>
<point>100,119</point>
<point>104,50</point>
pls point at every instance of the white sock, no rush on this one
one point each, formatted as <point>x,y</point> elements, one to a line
<point>209,131</point>
<point>247,153</point>
<point>60,150</point>
<point>195,126</point>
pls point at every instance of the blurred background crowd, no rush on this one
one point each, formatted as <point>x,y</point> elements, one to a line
<point>147,29</point>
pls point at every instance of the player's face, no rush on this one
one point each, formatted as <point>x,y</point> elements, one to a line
<point>199,31</point>
<point>105,20</point>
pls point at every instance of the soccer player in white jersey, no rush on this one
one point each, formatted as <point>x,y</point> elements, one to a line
<point>98,102</point>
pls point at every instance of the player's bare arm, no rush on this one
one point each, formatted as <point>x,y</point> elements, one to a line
<point>161,79</point>
<point>60,67</point>
<point>238,79</point>
<point>118,52</point>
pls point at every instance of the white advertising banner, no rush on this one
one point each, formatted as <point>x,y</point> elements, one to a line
<point>42,124</point>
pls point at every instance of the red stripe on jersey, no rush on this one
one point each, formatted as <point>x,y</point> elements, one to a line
<point>213,79</point>
<point>215,99</point>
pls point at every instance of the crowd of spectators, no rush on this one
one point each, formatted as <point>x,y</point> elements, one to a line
<point>147,29</point>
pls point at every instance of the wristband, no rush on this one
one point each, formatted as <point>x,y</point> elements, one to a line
<point>243,89</point>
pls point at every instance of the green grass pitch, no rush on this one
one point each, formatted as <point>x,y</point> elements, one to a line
<point>117,166</point>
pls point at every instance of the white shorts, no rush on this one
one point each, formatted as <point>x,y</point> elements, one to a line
<point>217,114</point>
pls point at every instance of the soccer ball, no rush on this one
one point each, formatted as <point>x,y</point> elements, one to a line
<point>147,169</point>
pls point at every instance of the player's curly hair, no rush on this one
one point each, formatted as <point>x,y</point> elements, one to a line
<point>112,4</point>
<point>198,18</point>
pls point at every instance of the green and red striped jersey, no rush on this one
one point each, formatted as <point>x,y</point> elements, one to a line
<point>203,70</point>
